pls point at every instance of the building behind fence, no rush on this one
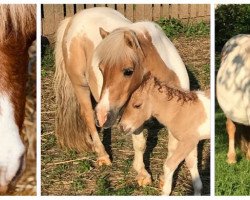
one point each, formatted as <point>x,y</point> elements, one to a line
<point>53,14</point>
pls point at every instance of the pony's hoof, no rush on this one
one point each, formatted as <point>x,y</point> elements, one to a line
<point>104,160</point>
<point>231,159</point>
<point>144,180</point>
<point>3,189</point>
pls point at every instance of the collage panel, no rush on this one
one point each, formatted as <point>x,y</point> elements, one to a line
<point>18,99</point>
<point>232,105</point>
<point>105,73</point>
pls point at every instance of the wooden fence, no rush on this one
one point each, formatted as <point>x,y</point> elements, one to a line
<point>53,14</point>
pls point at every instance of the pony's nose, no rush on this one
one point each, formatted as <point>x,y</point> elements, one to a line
<point>99,121</point>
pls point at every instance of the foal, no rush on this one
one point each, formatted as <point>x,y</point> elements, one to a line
<point>187,116</point>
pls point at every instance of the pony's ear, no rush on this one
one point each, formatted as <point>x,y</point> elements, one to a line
<point>103,33</point>
<point>130,40</point>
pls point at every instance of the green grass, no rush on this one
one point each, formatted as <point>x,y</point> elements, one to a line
<point>229,179</point>
<point>48,61</point>
<point>174,27</point>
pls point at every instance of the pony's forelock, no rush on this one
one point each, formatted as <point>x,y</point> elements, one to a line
<point>113,49</point>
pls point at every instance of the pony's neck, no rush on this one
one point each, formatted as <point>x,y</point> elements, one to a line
<point>154,64</point>
<point>168,102</point>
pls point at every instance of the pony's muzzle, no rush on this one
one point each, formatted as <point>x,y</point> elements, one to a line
<point>107,120</point>
<point>124,128</point>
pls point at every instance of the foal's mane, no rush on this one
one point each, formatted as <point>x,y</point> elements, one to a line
<point>17,19</point>
<point>113,49</point>
<point>171,92</point>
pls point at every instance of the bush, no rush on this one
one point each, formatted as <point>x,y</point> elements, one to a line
<point>230,20</point>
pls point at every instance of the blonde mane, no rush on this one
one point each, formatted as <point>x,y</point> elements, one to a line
<point>17,20</point>
<point>113,49</point>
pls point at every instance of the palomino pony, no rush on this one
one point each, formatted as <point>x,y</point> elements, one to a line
<point>233,93</point>
<point>102,54</point>
<point>187,116</point>
<point>17,31</point>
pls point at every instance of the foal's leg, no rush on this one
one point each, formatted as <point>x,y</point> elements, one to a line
<point>231,129</point>
<point>172,145</point>
<point>139,144</point>
<point>181,152</point>
<point>192,164</point>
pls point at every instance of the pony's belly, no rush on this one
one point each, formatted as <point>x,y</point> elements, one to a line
<point>233,79</point>
<point>233,105</point>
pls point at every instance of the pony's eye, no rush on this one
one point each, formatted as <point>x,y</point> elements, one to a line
<point>137,106</point>
<point>128,71</point>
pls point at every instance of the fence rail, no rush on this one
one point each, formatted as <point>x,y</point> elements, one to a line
<point>53,14</point>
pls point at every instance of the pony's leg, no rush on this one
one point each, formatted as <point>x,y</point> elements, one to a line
<point>75,69</point>
<point>181,152</point>
<point>231,129</point>
<point>139,144</point>
<point>12,149</point>
<point>87,113</point>
<point>192,164</point>
<point>172,145</point>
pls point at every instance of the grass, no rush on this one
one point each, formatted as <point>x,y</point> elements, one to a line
<point>230,180</point>
<point>79,174</point>
<point>175,27</point>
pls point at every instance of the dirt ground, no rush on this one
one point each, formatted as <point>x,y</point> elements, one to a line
<point>71,173</point>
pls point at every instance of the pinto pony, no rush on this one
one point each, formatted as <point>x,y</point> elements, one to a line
<point>17,31</point>
<point>233,93</point>
<point>102,54</point>
<point>185,114</point>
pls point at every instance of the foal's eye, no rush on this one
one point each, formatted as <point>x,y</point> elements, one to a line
<point>128,71</point>
<point>137,106</point>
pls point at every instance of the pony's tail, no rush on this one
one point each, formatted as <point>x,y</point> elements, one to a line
<point>70,129</point>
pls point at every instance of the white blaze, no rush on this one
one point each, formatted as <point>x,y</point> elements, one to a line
<point>11,146</point>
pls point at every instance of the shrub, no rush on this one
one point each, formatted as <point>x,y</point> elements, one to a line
<point>230,20</point>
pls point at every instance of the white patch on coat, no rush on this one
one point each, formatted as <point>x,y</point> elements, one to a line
<point>204,128</point>
<point>233,79</point>
<point>87,23</point>
<point>11,146</point>
<point>168,179</point>
<point>104,101</point>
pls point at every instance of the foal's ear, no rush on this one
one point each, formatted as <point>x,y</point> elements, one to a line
<point>130,39</point>
<point>103,33</point>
